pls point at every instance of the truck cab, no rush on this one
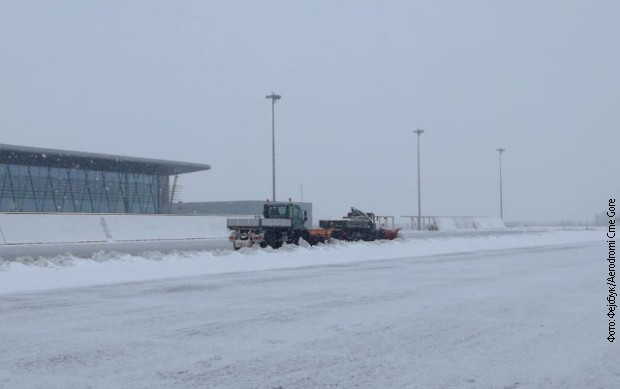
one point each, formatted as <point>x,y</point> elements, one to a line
<point>290,211</point>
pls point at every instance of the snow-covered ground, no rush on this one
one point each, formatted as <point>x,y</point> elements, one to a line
<point>492,310</point>
<point>65,271</point>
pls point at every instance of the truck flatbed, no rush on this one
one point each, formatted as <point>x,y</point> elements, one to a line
<point>257,222</point>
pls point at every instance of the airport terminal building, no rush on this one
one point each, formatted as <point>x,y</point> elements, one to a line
<point>48,180</point>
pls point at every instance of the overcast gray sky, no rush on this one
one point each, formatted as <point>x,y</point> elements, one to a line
<point>186,80</point>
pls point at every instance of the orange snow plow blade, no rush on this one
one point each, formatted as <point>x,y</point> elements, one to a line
<point>324,233</point>
<point>388,234</point>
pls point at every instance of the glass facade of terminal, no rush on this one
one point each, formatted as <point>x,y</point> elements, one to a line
<point>25,188</point>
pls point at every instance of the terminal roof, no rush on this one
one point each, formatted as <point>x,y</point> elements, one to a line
<point>35,156</point>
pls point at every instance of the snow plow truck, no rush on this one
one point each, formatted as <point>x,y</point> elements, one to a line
<point>283,223</point>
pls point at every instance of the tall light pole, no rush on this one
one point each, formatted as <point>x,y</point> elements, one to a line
<point>273,98</point>
<point>419,132</point>
<point>501,194</point>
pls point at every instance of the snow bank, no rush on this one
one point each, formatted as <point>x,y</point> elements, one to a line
<point>67,271</point>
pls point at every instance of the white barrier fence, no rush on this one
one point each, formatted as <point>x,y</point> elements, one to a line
<point>454,223</point>
<point>30,228</point>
